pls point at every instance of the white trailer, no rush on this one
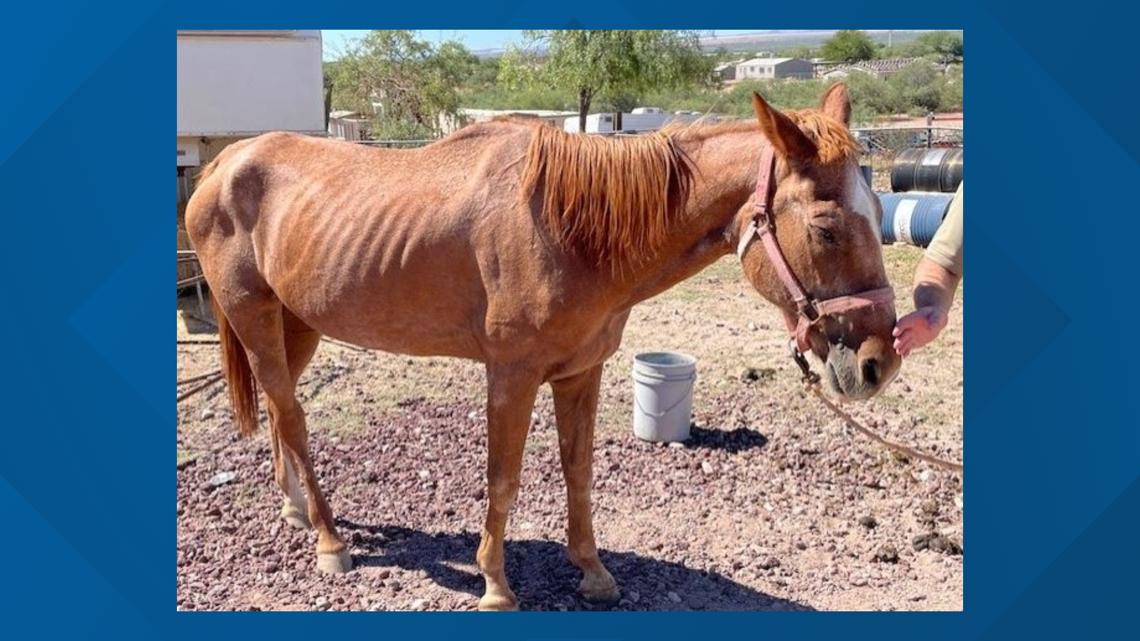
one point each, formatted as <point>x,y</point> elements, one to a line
<point>237,84</point>
<point>642,119</point>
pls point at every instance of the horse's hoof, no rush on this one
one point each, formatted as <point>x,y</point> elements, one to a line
<point>295,517</point>
<point>498,603</point>
<point>599,589</point>
<point>334,562</point>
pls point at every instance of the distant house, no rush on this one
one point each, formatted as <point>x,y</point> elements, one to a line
<point>726,71</point>
<point>768,68</point>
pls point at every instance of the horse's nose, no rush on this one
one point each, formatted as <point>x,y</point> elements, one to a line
<point>878,363</point>
<point>871,371</point>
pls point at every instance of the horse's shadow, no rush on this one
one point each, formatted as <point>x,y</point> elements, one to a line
<point>543,578</point>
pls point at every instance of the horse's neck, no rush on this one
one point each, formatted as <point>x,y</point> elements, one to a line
<point>725,170</point>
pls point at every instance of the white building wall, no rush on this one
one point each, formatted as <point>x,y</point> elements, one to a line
<point>237,83</point>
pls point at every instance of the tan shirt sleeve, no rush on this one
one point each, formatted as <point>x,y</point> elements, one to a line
<point>946,247</point>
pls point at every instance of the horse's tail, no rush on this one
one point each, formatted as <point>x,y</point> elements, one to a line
<point>239,377</point>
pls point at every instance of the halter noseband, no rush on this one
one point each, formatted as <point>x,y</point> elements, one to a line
<point>809,310</point>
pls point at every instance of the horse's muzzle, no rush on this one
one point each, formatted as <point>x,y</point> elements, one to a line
<point>860,374</point>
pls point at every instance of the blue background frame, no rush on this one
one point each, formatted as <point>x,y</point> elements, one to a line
<point>87,483</point>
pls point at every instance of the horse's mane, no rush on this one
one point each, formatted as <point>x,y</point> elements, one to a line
<point>614,199</point>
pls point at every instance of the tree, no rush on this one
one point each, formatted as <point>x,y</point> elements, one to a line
<point>406,83</point>
<point>919,84</point>
<point>872,96</point>
<point>950,96</point>
<point>944,46</point>
<point>617,65</point>
<point>848,46</point>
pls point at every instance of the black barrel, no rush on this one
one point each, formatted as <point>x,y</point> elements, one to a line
<point>913,217</point>
<point>927,170</point>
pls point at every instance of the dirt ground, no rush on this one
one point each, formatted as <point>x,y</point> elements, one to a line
<point>772,505</point>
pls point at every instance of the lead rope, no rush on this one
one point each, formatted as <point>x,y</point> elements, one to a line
<point>811,381</point>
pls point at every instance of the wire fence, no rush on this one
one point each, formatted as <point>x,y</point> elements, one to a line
<point>395,144</point>
<point>891,140</point>
<point>874,140</point>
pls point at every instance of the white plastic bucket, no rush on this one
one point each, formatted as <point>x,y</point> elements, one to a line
<point>663,395</point>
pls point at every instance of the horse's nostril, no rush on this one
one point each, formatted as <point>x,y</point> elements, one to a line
<point>871,371</point>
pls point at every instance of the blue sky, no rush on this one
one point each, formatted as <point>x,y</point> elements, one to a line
<point>336,40</point>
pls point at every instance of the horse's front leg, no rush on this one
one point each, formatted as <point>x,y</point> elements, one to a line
<point>575,408</point>
<point>510,400</point>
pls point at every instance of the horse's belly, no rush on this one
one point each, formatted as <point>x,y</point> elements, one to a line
<point>400,313</point>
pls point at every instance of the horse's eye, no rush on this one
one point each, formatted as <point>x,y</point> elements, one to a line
<point>825,234</point>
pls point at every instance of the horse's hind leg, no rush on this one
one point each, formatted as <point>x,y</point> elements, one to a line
<point>300,345</point>
<point>294,507</point>
<point>575,410</point>
<point>259,324</point>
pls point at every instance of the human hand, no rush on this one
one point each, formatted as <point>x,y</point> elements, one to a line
<point>917,329</point>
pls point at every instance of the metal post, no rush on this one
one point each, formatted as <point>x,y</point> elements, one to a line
<point>201,299</point>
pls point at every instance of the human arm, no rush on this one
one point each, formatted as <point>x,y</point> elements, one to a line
<point>934,288</point>
<point>935,280</point>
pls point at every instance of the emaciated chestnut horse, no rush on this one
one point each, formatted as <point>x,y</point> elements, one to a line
<point>523,247</point>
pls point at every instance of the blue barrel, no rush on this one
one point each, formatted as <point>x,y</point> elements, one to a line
<point>913,217</point>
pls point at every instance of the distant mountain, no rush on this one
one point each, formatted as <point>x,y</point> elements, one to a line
<point>773,40</point>
<point>483,54</point>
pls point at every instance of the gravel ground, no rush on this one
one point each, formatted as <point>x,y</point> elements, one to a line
<point>772,505</point>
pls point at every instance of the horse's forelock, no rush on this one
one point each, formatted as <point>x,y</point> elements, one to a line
<point>833,141</point>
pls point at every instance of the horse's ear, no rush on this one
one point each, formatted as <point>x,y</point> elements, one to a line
<point>785,135</point>
<point>836,102</point>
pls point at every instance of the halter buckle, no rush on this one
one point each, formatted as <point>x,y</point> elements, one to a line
<point>808,309</point>
<point>809,377</point>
